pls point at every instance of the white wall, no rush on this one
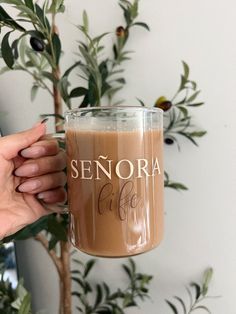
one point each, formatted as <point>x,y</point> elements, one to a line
<point>199,224</point>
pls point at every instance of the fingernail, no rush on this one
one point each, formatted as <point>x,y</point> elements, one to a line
<point>44,120</point>
<point>41,122</point>
<point>41,196</point>
<point>32,152</point>
<point>17,189</point>
<point>26,170</point>
<point>29,186</point>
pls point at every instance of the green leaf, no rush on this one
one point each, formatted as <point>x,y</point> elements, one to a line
<point>25,307</point>
<point>29,231</point>
<point>75,271</point>
<point>115,51</point>
<point>76,294</point>
<point>57,6</point>
<point>75,260</point>
<point>99,296</point>
<point>116,72</point>
<point>57,228</point>
<point>70,69</point>
<point>197,290</point>
<point>181,102</point>
<point>182,83</point>
<point>98,38</point>
<point>92,95</point>
<point>188,136</point>
<point>197,133</point>
<point>202,307</point>
<point>144,25</point>
<point>193,97</point>
<point>103,69</point>
<point>134,9</point>
<point>116,295</point>
<point>21,292</point>
<point>186,70</point>
<point>172,306</point>
<point>41,14</point>
<point>52,243</point>
<point>166,175</point>
<point>27,13</point>
<point>133,265</point>
<point>206,281</point>
<point>127,16</point>
<point>49,76</point>
<point>194,85</point>
<point>30,4</point>
<point>79,309</point>
<point>34,91</point>
<point>56,47</point>
<point>183,110</point>
<point>100,48</point>
<point>125,2</point>
<point>176,186</point>
<point>85,21</point>
<point>141,102</point>
<point>8,20</point>
<point>128,300</point>
<point>77,92</point>
<point>121,59</point>
<point>89,265</point>
<point>90,60</point>
<point>190,296</point>
<point>63,85</point>
<point>35,33</point>
<point>121,80</point>
<point>78,281</point>
<point>15,2</point>
<point>145,279</point>
<point>107,309</point>
<point>128,271</point>
<point>182,304</point>
<point>87,287</point>
<point>122,7</point>
<point>113,91</point>
<point>7,53</point>
<point>33,57</point>
<point>196,104</point>
<point>107,289</point>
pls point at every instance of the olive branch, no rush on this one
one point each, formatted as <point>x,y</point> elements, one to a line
<point>32,44</point>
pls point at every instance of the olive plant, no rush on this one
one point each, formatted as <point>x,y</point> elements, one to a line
<point>197,294</point>
<point>36,49</point>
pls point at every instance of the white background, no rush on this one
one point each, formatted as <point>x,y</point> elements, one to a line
<point>199,224</point>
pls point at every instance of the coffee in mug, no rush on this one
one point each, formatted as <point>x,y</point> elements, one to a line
<point>115,179</point>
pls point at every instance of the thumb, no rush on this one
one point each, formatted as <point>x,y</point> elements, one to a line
<point>11,145</point>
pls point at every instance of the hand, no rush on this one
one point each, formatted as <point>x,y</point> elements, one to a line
<point>30,172</point>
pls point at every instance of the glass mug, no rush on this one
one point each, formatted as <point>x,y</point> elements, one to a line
<point>115,179</point>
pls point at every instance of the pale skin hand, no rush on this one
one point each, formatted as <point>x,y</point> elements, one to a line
<point>30,172</point>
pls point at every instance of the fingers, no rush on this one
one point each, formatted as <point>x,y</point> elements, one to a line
<point>42,173</point>
<point>43,165</point>
<point>12,144</point>
<point>55,196</point>
<point>40,149</point>
<point>43,183</point>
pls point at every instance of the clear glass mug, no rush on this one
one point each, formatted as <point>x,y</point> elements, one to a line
<point>115,179</point>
